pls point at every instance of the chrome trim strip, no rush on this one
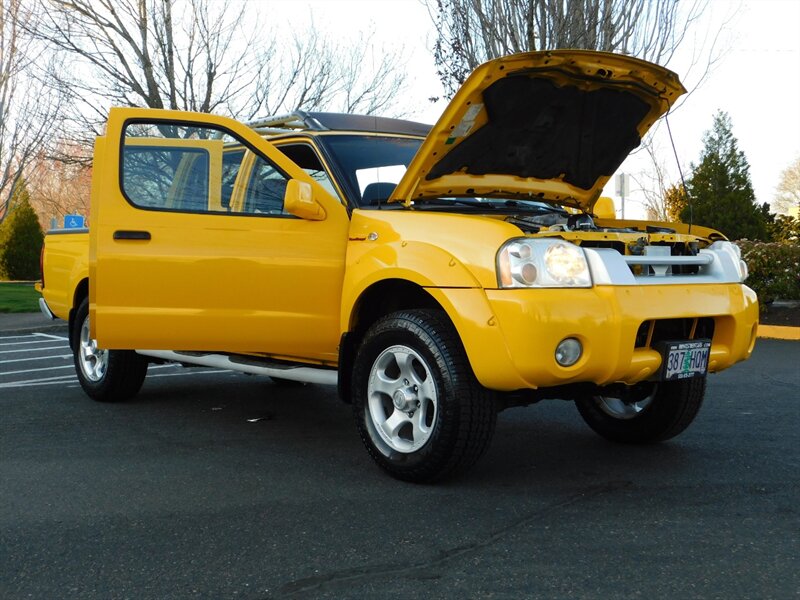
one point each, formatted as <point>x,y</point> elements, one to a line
<point>700,259</point>
<point>715,265</point>
<point>222,361</point>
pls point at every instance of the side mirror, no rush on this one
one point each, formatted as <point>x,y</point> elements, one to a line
<point>300,202</point>
<point>604,208</point>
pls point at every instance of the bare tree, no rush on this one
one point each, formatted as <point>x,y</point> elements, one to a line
<point>788,190</point>
<point>371,84</point>
<point>27,113</point>
<point>662,197</point>
<point>202,55</point>
<point>59,187</point>
<point>473,31</point>
<point>141,53</point>
<point>310,71</point>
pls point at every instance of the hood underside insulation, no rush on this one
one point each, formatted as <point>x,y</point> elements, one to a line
<point>539,130</point>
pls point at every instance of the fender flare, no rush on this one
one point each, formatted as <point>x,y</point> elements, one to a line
<point>419,263</point>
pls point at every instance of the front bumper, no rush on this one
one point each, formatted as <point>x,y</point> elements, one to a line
<point>511,340</point>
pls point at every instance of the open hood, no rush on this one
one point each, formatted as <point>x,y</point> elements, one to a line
<point>551,126</point>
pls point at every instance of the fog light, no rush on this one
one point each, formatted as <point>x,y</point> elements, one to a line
<point>568,352</point>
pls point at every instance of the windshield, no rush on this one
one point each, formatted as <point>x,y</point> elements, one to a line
<point>371,166</point>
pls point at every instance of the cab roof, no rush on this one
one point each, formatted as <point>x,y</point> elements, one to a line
<point>306,121</point>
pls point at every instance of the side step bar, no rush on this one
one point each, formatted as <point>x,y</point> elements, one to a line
<point>249,365</point>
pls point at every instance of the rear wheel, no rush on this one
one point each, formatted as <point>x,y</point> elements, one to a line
<point>645,413</point>
<point>105,375</point>
<point>419,409</point>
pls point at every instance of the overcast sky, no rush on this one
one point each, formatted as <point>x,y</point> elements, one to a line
<point>756,80</point>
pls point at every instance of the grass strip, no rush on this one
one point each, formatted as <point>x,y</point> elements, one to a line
<point>18,298</point>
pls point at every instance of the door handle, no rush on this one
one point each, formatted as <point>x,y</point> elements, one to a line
<point>131,235</point>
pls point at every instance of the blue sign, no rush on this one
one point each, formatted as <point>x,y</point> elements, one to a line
<point>74,221</point>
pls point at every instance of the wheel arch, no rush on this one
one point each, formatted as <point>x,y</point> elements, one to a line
<point>466,308</point>
<point>377,300</point>
<point>387,296</point>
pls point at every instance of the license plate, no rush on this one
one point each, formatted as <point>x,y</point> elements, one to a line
<point>685,359</point>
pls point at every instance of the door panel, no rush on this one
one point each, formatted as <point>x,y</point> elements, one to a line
<point>217,272</point>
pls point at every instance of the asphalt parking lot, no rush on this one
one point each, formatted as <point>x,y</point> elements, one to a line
<point>45,359</point>
<point>218,485</point>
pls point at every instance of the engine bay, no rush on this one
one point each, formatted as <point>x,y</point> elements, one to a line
<point>581,229</point>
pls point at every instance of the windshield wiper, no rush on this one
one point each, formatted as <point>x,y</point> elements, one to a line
<point>535,208</point>
<point>527,206</point>
<point>459,201</point>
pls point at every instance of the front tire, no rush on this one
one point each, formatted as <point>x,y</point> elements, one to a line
<point>645,415</point>
<point>419,409</point>
<point>105,375</point>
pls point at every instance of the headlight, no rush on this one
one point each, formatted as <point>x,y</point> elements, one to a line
<point>566,263</point>
<point>543,263</point>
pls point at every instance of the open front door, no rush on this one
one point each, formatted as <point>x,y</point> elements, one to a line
<point>191,247</point>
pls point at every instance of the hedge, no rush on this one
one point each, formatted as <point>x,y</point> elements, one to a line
<point>21,239</point>
<point>774,269</point>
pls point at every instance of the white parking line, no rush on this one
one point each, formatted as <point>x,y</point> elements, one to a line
<point>70,366</point>
<point>34,370</point>
<point>26,343</point>
<point>32,350</point>
<point>24,385</point>
<point>52,337</point>
<point>62,378</point>
<point>35,341</point>
<point>71,379</point>
<point>16,360</point>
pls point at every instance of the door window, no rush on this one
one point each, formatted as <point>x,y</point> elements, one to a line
<point>185,168</point>
<point>166,177</point>
<point>304,157</point>
<point>265,190</point>
<point>231,165</point>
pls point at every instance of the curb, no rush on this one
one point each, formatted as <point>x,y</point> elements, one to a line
<point>779,332</point>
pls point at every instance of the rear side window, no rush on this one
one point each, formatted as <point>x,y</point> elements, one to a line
<point>184,168</point>
<point>158,177</point>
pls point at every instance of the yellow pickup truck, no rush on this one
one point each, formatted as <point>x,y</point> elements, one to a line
<point>436,275</point>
